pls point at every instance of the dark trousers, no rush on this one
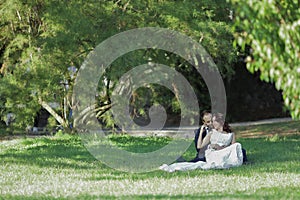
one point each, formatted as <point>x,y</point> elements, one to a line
<point>245,159</point>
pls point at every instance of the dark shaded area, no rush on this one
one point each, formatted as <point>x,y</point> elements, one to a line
<point>250,99</point>
<point>41,118</point>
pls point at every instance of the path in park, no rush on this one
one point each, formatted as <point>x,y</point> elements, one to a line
<point>266,121</point>
<point>185,132</point>
<point>188,132</point>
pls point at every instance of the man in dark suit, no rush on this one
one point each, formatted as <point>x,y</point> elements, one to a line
<point>200,133</point>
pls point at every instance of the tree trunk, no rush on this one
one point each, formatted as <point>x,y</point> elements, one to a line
<point>58,118</point>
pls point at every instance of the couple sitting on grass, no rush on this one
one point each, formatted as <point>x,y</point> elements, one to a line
<point>216,147</point>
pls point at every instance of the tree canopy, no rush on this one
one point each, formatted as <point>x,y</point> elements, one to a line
<point>269,33</point>
<point>43,41</point>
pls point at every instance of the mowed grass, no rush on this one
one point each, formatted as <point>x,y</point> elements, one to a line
<point>60,167</point>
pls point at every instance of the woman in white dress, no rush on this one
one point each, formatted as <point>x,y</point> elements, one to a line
<point>223,151</point>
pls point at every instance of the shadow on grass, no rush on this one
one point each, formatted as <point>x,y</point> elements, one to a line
<point>264,193</point>
<point>268,130</point>
<point>277,193</point>
<point>140,144</point>
<point>49,152</point>
<point>264,154</point>
<point>276,154</point>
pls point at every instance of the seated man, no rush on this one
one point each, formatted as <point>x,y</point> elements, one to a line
<point>200,133</point>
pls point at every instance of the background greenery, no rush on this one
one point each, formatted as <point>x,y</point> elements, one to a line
<point>42,39</point>
<point>269,32</point>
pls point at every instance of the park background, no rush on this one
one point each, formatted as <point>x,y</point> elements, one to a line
<point>255,45</point>
<point>44,43</point>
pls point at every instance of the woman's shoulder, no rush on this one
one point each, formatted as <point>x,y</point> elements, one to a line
<point>230,134</point>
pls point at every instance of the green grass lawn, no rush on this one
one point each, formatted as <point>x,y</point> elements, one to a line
<point>60,167</point>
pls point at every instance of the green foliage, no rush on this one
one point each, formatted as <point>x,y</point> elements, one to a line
<point>39,40</point>
<point>271,29</point>
<point>51,123</point>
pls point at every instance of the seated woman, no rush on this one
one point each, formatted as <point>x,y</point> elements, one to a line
<point>223,151</point>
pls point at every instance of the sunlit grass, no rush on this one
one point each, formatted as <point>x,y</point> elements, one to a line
<point>268,130</point>
<point>61,167</point>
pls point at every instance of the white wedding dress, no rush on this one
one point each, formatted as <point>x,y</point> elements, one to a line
<point>230,156</point>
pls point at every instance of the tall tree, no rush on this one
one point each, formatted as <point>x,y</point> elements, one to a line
<point>269,33</point>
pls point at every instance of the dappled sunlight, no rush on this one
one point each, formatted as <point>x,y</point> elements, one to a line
<point>67,183</point>
<point>268,130</point>
<point>60,167</point>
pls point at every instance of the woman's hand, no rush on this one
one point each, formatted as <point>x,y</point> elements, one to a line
<point>216,147</point>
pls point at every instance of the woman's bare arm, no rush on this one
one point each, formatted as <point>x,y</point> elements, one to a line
<point>206,140</point>
<point>199,142</point>
<point>233,139</point>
